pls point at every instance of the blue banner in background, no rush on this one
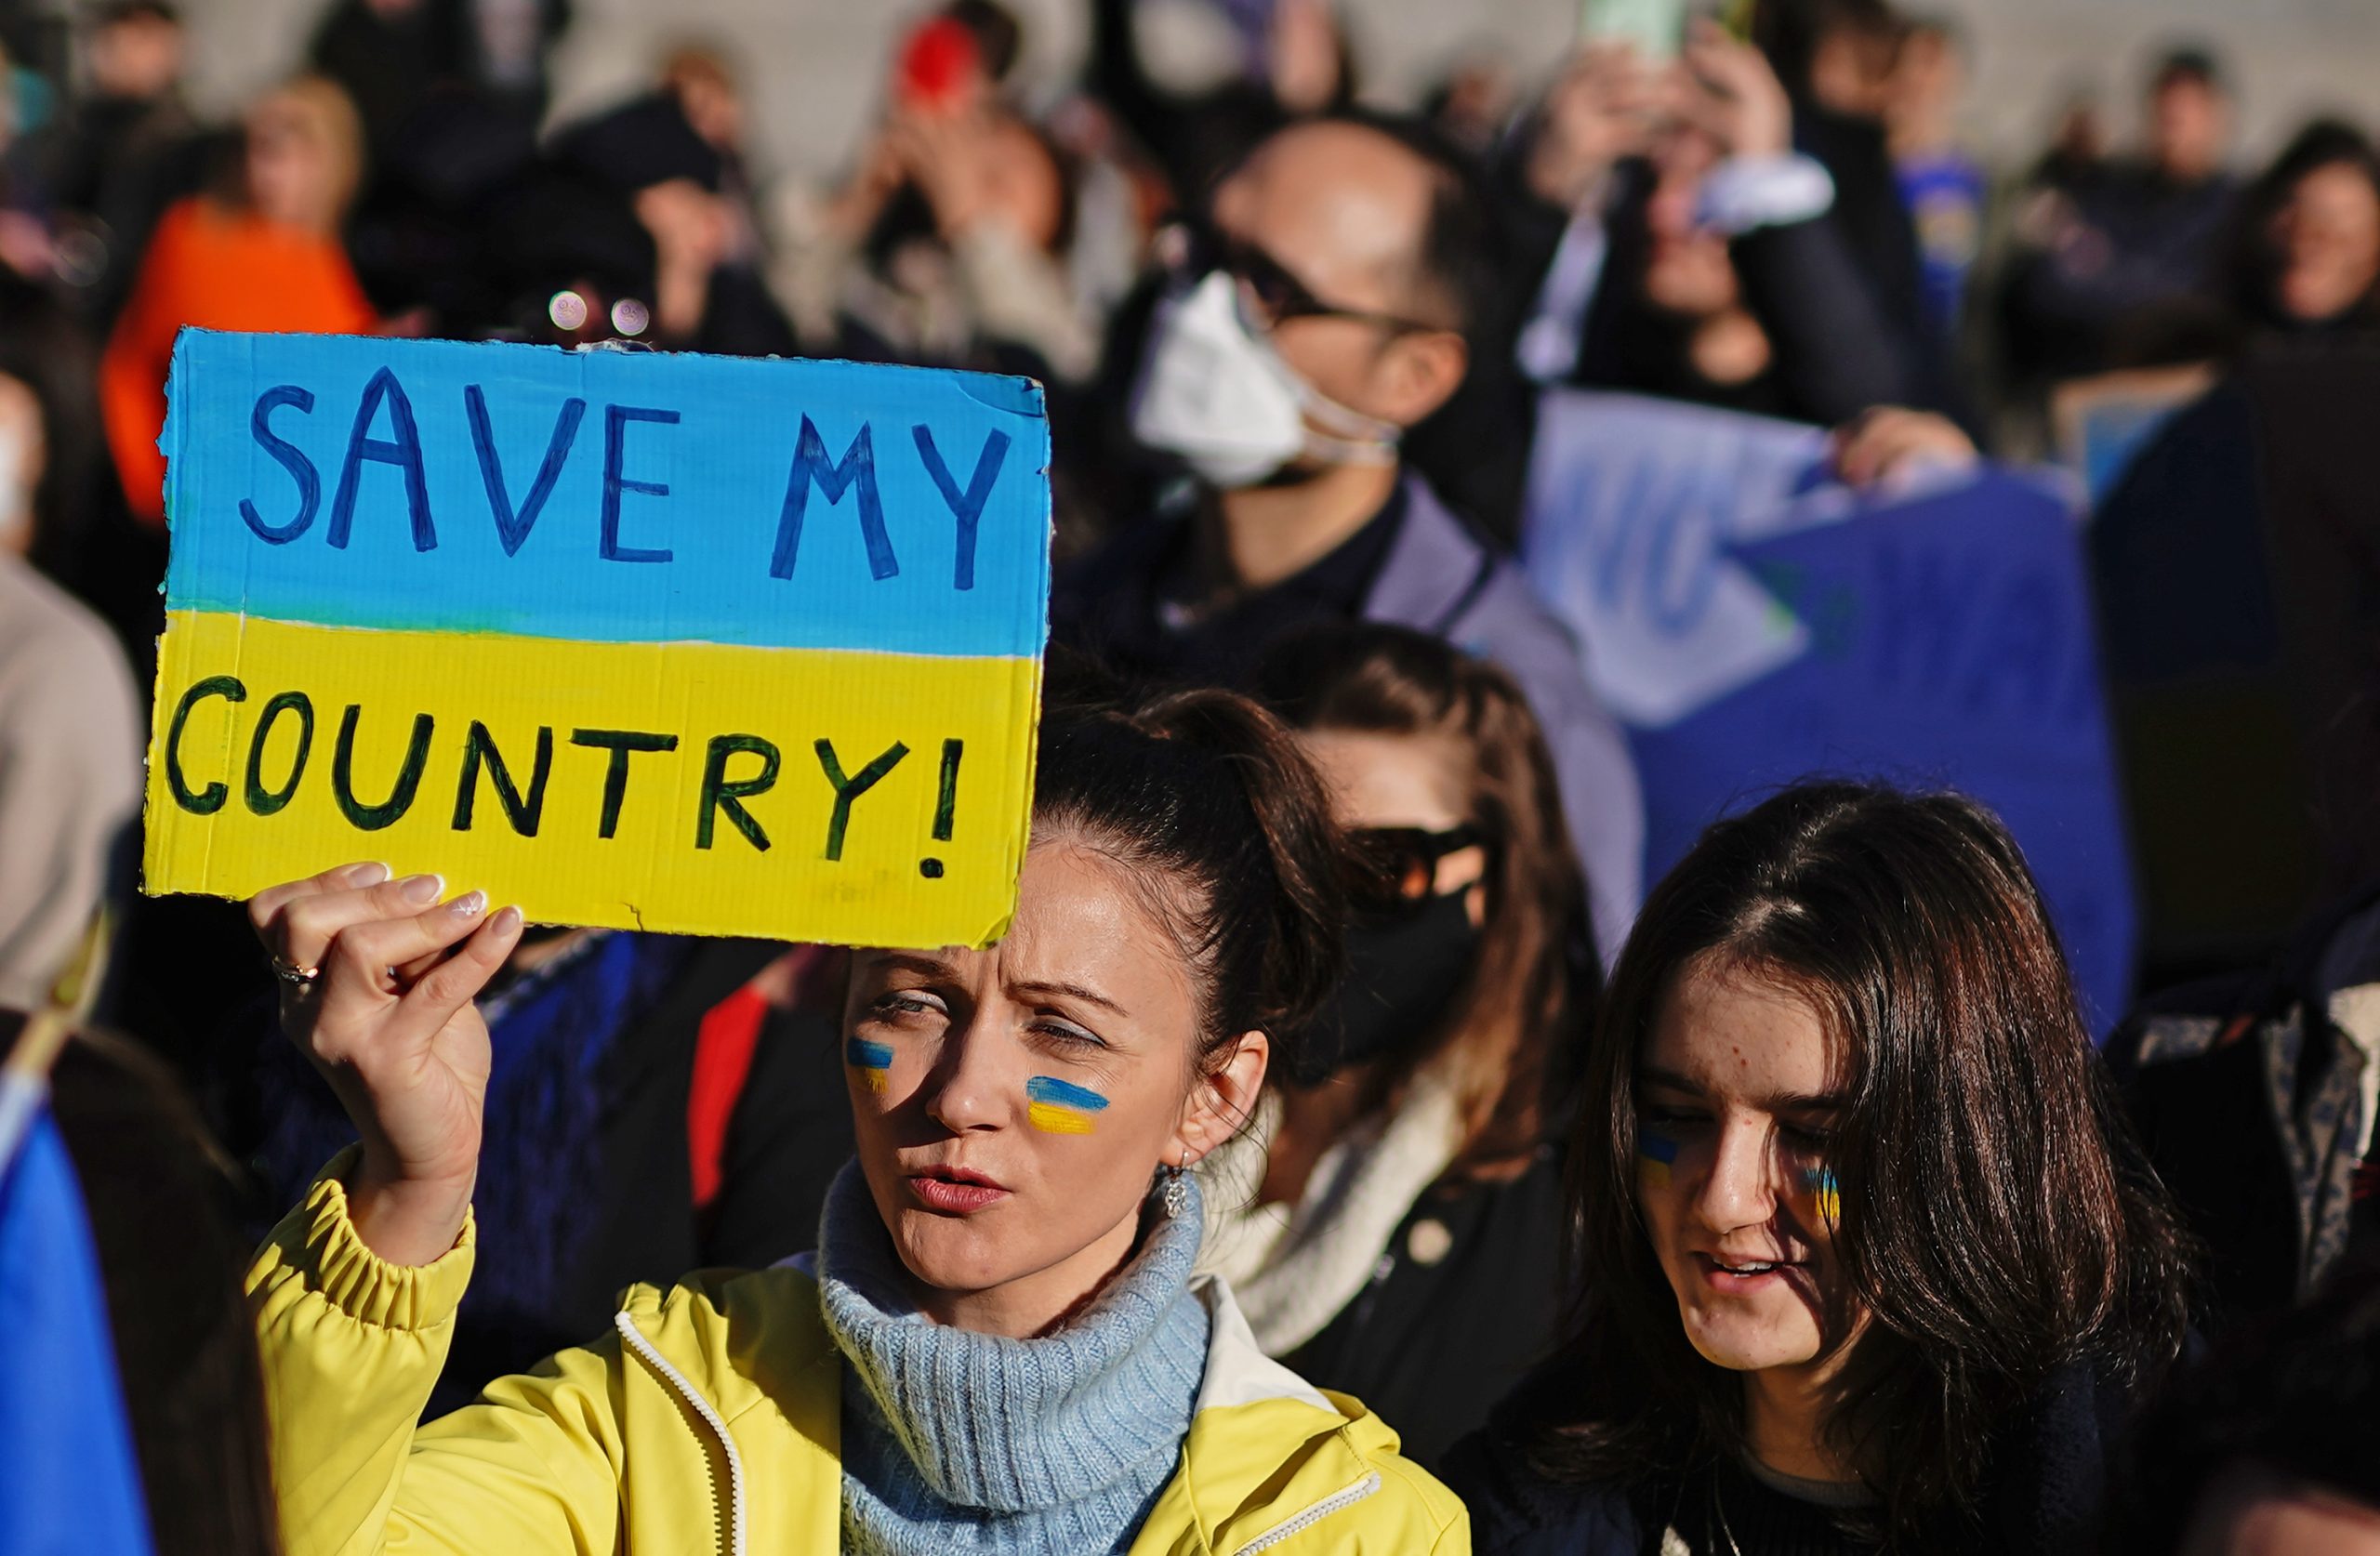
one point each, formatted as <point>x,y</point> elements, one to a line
<point>1753,625</point>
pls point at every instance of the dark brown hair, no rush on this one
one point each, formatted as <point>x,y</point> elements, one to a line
<point>1996,1220</point>
<point>160,1196</point>
<point>1207,802</point>
<point>1535,970</point>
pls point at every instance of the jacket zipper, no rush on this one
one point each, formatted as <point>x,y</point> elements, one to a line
<point>633,1337</point>
<point>1311,1516</point>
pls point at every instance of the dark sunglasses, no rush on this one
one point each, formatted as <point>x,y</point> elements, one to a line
<point>1192,248</point>
<point>1397,867</point>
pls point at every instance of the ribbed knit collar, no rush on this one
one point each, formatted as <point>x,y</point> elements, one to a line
<point>1093,1415</point>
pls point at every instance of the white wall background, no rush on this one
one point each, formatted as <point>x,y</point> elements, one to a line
<point>812,65</point>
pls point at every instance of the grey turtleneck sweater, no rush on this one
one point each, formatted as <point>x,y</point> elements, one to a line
<point>957,1442</point>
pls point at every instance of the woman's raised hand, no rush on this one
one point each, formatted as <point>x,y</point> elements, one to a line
<point>1731,93</point>
<point>388,1019</point>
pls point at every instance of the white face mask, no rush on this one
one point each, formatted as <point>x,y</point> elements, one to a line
<point>1216,394</point>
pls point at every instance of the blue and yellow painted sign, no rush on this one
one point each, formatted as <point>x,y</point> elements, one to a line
<point>645,641</point>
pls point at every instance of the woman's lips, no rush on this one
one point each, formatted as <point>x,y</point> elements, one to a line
<point>955,1191</point>
<point>1741,1277</point>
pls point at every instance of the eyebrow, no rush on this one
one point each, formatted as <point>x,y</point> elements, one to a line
<point>928,966</point>
<point>932,967</point>
<point>1074,991</point>
<point>1782,1102</point>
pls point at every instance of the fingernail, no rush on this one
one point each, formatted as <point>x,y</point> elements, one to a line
<point>366,874</point>
<point>420,889</point>
<point>468,904</point>
<point>507,921</point>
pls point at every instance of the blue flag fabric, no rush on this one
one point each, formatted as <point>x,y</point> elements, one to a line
<point>1752,624</point>
<point>69,1480</point>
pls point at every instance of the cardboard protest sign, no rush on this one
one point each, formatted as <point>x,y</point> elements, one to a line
<point>642,640</point>
<point>1753,624</point>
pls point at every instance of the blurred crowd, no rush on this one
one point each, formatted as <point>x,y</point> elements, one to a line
<point>1294,346</point>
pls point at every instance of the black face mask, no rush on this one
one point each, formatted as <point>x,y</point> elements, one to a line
<point>1403,975</point>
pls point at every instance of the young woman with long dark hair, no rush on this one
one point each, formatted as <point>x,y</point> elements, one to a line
<point>1000,1346</point>
<point>1866,1259</point>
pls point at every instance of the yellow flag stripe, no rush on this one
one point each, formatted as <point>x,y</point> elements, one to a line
<point>217,820</point>
<point>1052,1119</point>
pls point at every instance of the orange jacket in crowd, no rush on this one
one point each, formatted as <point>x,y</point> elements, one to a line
<point>224,269</point>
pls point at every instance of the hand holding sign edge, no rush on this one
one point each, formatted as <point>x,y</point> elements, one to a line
<point>390,1024</point>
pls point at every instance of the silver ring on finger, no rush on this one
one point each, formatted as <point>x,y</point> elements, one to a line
<point>295,975</point>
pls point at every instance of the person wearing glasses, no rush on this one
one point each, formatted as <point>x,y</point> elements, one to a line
<point>1390,1225</point>
<point>1328,302</point>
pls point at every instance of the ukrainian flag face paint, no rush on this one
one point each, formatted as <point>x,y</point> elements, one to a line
<point>872,1062</point>
<point>1032,1089</point>
<point>1656,1153</point>
<point>1739,1099</point>
<point>1059,1107</point>
<point>1825,1193</point>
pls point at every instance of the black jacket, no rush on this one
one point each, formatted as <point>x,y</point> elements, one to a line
<point>2045,1489</point>
<point>1459,1310</point>
<point>2249,1101</point>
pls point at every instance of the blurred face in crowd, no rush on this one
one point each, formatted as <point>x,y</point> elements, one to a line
<point>1687,270</point>
<point>1343,210</point>
<point>707,96</point>
<point>1851,70</point>
<point>2250,1512</point>
<point>1927,77</point>
<point>297,173</point>
<point>2327,238</point>
<point>2189,125</point>
<point>1736,1098</point>
<point>2079,135</point>
<point>135,59</point>
<point>1021,180</point>
<point>1013,1104</point>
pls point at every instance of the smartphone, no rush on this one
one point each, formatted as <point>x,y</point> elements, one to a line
<point>1657,27</point>
<point>939,63</point>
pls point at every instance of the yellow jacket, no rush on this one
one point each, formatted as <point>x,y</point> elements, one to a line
<point>711,1422</point>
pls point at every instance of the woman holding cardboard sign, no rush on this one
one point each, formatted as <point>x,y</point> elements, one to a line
<point>998,1345</point>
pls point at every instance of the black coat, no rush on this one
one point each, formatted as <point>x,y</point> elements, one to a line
<point>2045,1489</point>
<point>2247,1097</point>
<point>1459,1308</point>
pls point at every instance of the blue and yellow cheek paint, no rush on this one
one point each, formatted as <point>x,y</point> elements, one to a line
<point>1820,1183</point>
<point>1059,1107</point>
<point>873,1061</point>
<point>1655,1153</point>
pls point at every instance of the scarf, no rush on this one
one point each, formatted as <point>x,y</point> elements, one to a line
<point>956,1441</point>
